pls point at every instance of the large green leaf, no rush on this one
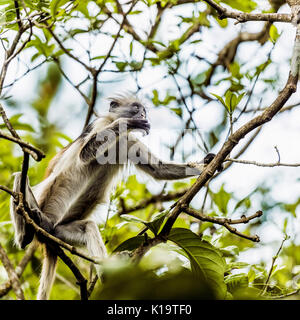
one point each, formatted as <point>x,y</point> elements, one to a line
<point>206,260</point>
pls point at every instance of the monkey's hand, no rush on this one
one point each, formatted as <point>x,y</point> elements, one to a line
<point>125,124</point>
<point>41,220</point>
<point>208,158</point>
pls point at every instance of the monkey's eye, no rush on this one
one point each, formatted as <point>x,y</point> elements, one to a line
<point>135,107</point>
<point>113,105</point>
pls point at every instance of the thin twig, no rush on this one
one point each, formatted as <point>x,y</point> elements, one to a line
<point>96,73</point>
<point>225,221</point>
<point>272,266</point>
<point>259,164</point>
<point>26,147</point>
<point>14,279</point>
<point>5,287</point>
<point>4,188</point>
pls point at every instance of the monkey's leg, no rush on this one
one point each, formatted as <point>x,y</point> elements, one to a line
<point>83,233</point>
<point>24,232</point>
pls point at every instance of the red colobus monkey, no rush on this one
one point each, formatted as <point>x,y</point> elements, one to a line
<point>82,175</point>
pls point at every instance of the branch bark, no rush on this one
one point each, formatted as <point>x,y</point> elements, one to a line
<point>244,17</point>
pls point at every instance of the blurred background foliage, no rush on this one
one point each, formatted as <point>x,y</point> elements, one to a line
<point>43,97</point>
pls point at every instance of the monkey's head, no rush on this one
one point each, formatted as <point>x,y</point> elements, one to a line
<point>128,106</point>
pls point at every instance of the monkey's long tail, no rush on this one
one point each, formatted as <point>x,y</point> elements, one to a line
<point>48,274</point>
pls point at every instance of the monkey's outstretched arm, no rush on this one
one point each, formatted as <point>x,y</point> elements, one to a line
<point>145,160</point>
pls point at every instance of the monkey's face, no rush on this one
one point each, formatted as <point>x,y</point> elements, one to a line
<point>134,110</point>
<point>129,110</point>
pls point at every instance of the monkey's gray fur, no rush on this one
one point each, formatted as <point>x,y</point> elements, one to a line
<point>77,181</point>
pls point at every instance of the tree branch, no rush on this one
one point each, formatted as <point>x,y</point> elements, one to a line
<point>244,17</point>
<point>225,221</point>
<point>14,279</point>
<point>272,266</point>
<point>5,287</point>
<point>26,147</point>
<point>259,164</point>
<point>95,73</point>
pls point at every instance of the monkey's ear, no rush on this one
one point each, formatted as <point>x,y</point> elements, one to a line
<point>113,105</point>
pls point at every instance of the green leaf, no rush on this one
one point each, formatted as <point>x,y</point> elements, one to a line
<point>285,223</point>
<point>178,111</point>
<point>222,23</point>
<point>273,33</point>
<point>131,48</point>
<point>206,260</point>
<point>121,65</point>
<point>220,99</point>
<point>236,281</point>
<point>130,244</point>
<point>235,70</point>
<point>5,2</point>
<point>230,251</point>
<point>246,202</point>
<point>153,225</point>
<point>130,218</point>
<point>221,199</point>
<point>98,57</point>
<point>157,222</point>
<point>200,78</point>
<point>230,101</point>
<point>242,5</point>
<point>237,265</point>
<point>14,120</point>
<point>292,208</point>
<point>251,275</point>
<point>240,97</point>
